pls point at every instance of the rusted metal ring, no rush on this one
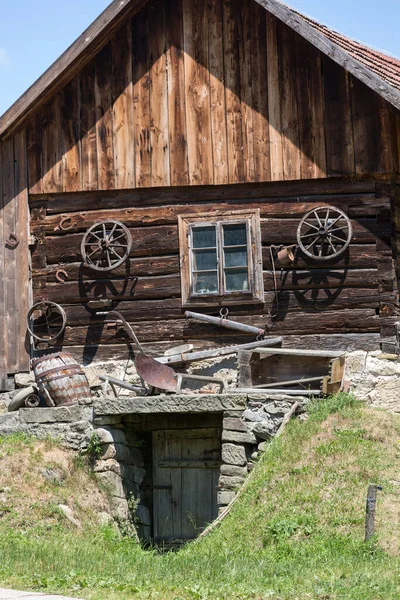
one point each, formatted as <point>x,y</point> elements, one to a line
<point>13,240</point>
<point>60,272</point>
<point>224,312</point>
<point>46,305</point>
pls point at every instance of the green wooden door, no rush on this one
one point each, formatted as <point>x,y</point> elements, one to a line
<point>185,478</point>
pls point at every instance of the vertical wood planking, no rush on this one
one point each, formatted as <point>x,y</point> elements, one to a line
<point>246,101</point>
<point>288,94</point>
<point>365,127</point>
<point>310,107</point>
<point>10,253</point>
<point>197,90</point>
<point>338,127</point>
<point>232,93</point>
<point>262,161</point>
<point>387,142</point>
<point>122,94</point>
<point>159,134</point>
<point>3,367</point>
<point>22,282</point>
<point>141,97</point>
<point>217,92</point>
<point>70,123</point>
<point>104,120</point>
<point>274,106</point>
<point>52,147</point>
<point>34,150</point>
<point>176,93</point>
<point>317,112</point>
<point>88,129</point>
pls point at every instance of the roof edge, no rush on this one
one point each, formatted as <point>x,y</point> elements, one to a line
<point>78,55</point>
<point>333,51</point>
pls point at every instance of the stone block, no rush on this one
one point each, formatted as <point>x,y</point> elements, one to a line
<point>119,507</point>
<point>175,403</point>
<point>254,415</point>
<point>238,437</point>
<point>233,471</point>
<point>24,379</point>
<point>107,435</point>
<point>118,451</point>
<point>109,420</point>
<point>80,426</point>
<point>107,465</point>
<point>262,447</point>
<point>233,424</point>
<point>233,454</point>
<point>238,414</point>
<point>277,408</point>
<point>61,414</point>
<point>226,482</point>
<point>225,498</point>
<point>112,482</point>
<point>263,429</point>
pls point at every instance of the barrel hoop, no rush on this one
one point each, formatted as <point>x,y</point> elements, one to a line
<point>37,361</point>
<point>57,377</point>
<point>76,369</point>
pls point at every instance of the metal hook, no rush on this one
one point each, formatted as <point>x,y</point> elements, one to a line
<point>224,312</point>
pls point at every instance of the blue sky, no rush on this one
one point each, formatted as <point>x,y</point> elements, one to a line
<point>33,33</point>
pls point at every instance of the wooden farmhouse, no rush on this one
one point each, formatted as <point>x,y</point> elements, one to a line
<point>201,137</point>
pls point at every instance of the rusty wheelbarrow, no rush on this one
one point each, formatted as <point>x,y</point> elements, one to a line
<point>153,373</point>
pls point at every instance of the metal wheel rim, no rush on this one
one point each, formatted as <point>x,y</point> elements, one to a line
<point>323,232</point>
<point>51,305</point>
<point>111,241</point>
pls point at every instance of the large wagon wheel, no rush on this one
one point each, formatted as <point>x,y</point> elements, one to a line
<point>106,245</point>
<point>324,233</point>
<point>49,318</point>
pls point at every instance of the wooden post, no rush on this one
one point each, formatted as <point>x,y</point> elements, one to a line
<point>370,511</point>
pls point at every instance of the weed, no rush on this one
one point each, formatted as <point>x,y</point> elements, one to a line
<point>94,450</point>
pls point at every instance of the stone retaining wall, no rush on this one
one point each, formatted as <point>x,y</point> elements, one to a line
<point>123,465</point>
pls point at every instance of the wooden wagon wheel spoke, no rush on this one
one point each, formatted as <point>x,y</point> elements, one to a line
<point>336,237</point>
<point>106,245</point>
<point>319,243</point>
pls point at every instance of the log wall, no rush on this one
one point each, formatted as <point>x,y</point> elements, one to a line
<point>200,92</point>
<point>343,304</point>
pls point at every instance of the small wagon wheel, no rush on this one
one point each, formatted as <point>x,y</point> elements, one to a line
<point>49,317</point>
<point>324,233</point>
<point>106,245</point>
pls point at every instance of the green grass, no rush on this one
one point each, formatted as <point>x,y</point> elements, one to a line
<point>296,534</point>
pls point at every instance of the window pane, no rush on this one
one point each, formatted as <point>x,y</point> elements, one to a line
<point>236,281</point>
<point>235,235</point>
<point>205,283</point>
<point>204,237</point>
<point>204,260</point>
<point>236,257</point>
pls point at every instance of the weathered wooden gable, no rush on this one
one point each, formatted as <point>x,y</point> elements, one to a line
<point>207,93</point>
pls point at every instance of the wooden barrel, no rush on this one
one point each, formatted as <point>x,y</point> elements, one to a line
<point>60,379</point>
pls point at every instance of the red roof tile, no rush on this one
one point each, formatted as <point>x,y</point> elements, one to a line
<point>386,67</point>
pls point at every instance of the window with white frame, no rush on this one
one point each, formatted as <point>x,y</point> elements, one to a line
<point>221,259</point>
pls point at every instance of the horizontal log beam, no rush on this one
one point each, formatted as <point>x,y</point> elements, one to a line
<point>353,205</point>
<point>113,199</point>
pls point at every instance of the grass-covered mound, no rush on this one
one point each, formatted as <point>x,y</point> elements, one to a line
<point>296,533</point>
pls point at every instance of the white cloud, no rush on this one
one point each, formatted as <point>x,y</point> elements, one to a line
<point>4,58</point>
